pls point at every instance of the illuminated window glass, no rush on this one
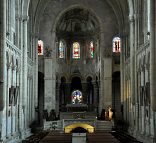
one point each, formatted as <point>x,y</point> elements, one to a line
<point>76,50</point>
<point>77,97</point>
<point>61,50</point>
<point>116,45</point>
<point>91,50</point>
<point>40,47</point>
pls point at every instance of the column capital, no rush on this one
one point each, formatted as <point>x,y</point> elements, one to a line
<point>18,17</point>
<point>131,18</point>
<point>25,18</point>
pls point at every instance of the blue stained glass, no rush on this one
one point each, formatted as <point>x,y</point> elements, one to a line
<point>77,97</point>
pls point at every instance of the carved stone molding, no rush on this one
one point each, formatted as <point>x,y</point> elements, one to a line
<point>18,65</point>
<point>8,58</point>
<point>25,18</point>
<point>13,60</point>
<point>131,18</point>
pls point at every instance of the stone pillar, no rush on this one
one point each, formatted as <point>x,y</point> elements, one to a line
<point>84,92</point>
<point>21,114</point>
<point>153,54</point>
<point>107,82</point>
<point>2,51</point>
<point>95,89</point>
<point>68,93</point>
<point>2,67</point>
<point>57,97</point>
<point>132,58</point>
<point>122,73</point>
<point>153,62</point>
<point>35,77</point>
<point>132,70</point>
<point>49,83</point>
<point>24,73</point>
<point>101,89</point>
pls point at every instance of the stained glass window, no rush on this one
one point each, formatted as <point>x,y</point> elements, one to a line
<point>91,50</point>
<point>77,97</point>
<point>40,47</point>
<point>116,44</point>
<point>61,50</point>
<point>76,50</point>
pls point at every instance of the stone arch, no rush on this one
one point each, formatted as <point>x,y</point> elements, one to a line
<point>63,79</point>
<point>62,75</point>
<point>75,75</point>
<point>72,7</point>
<point>89,75</point>
<point>69,128</point>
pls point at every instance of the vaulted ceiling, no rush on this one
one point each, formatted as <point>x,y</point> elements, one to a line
<point>120,7</point>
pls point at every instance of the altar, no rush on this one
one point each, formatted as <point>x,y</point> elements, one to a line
<point>77,107</point>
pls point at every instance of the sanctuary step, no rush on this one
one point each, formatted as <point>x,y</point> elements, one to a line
<point>124,137</point>
<point>75,115</point>
<point>104,125</point>
<point>101,137</point>
<point>57,137</point>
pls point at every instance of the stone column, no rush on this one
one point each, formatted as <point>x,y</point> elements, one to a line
<point>107,82</point>
<point>84,92</point>
<point>132,69</point>
<point>24,68</point>
<point>132,58</point>
<point>49,89</point>
<point>57,97</point>
<point>122,72</point>
<point>95,89</point>
<point>35,76</point>
<point>21,114</point>
<point>68,93</point>
<point>153,62</point>
<point>2,66</point>
<point>101,89</point>
<point>2,51</point>
<point>153,54</point>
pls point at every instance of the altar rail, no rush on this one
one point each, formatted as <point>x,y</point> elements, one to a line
<point>67,122</point>
<point>61,124</point>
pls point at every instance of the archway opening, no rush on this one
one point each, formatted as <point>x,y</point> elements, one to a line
<point>40,97</point>
<point>76,84</point>
<point>79,126</point>
<point>79,130</point>
<point>116,95</point>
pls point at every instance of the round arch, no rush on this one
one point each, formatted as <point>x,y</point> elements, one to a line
<point>72,7</point>
<point>87,127</point>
